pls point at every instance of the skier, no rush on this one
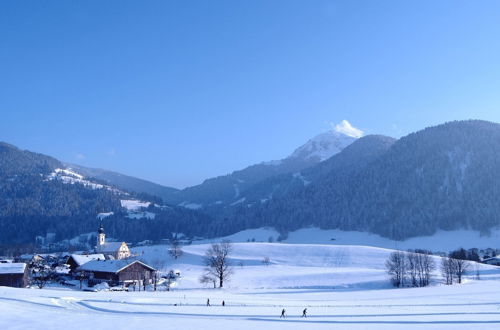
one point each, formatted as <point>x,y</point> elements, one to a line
<point>208,302</point>
<point>223,303</point>
<point>304,312</point>
<point>282,313</point>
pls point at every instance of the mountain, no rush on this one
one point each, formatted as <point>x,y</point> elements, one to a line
<point>354,156</point>
<point>39,194</point>
<point>218,192</point>
<point>441,178</point>
<point>123,181</point>
<point>327,144</point>
<point>444,177</point>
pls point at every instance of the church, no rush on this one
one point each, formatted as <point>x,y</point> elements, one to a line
<point>113,250</point>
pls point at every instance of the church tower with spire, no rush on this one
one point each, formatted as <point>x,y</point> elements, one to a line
<point>111,250</point>
<point>101,237</point>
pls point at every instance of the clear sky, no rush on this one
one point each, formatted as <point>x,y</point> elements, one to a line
<point>179,91</point>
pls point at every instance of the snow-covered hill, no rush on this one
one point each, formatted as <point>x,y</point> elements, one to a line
<point>296,266</point>
<point>443,241</point>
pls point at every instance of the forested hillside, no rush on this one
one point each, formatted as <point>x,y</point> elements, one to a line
<point>444,177</point>
<point>37,195</point>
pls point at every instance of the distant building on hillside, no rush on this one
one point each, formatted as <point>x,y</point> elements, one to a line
<point>117,250</point>
<point>14,275</point>
<point>495,261</point>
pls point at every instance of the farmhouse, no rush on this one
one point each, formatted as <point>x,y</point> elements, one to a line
<point>118,272</point>
<point>14,275</point>
<point>492,261</point>
<point>76,260</point>
<point>115,250</point>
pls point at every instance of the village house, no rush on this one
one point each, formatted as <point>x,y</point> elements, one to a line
<point>114,250</point>
<point>495,261</point>
<point>76,260</point>
<point>14,275</point>
<point>118,272</point>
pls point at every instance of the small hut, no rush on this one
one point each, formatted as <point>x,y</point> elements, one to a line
<point>14,275</point>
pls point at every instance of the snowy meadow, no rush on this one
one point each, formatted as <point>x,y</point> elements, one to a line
<point>341,286</point>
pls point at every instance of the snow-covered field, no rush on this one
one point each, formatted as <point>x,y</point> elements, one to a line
<point>442,240</point>
<point>342,287</point>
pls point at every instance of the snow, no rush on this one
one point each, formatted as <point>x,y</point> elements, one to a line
<point>297,266</point>
<point>346,128</point>
<point>323,146</point>
<point>68,176</point>
<point>12,268</point>
<point>103,215</point>
<point>236,191</point>
<point>343,287</point>
<point>111,266</point>
<point>239,201</point>
<point>299,176</point>
<point>444,241</point>
<point>81,259</point>
<point>133,205</point>
<point>110,247</point>
<point>141,215</point>
<point>259,235</point>
<point>191,206</point>
<point>68,172</point>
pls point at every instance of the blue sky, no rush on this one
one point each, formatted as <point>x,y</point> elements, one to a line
<point>179,91</point>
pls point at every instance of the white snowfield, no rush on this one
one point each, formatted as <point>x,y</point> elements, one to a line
<point>443,241</point>
<point>133,205</point>
<point>342,287</point>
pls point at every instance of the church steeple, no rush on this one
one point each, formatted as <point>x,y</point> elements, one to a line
<point>101,236</point>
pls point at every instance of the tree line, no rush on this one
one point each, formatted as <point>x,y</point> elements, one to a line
<point>415,268</point>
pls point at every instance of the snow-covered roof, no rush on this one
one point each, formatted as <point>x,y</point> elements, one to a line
<point>495,258</point>
<point>83,259</point>
<point>12,268</point>
<point>110,247</point>
<point>110,266</point>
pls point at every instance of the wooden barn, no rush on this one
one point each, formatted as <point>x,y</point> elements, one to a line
<point>14,275</point>
<point>118,272</point>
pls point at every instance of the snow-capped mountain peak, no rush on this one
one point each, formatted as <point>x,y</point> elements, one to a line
<point>327,144</point>
<point>346,128</point>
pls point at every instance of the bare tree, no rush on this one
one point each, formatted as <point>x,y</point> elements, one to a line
<point>397,268</point>
<point>447,270</point>
<point>217,261</point>
<point>175,249</point>
<point>460,264</point>
<point>412,267</point>
<point>41,273</point>
<point>426,267</point>
<point>81,277</point>
<point>205,279</point>
<point>266,261</point>
<point>170,279</point>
